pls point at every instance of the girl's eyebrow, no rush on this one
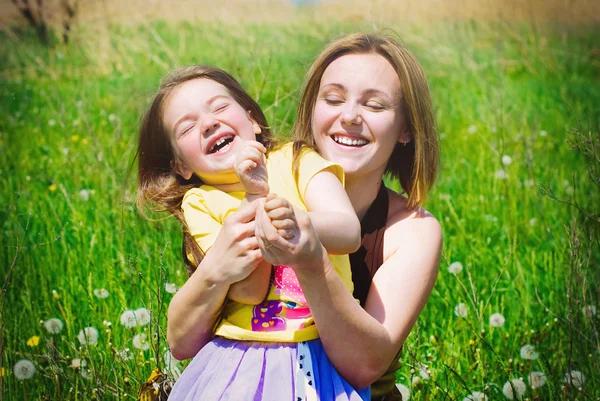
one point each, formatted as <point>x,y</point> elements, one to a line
<point>217,97</point>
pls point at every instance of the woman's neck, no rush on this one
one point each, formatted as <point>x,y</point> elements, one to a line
<point>362,192</point>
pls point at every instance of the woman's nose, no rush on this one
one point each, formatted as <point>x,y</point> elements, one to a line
<point>351,115</point>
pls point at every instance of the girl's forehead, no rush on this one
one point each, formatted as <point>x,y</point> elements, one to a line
<point>198,91</point>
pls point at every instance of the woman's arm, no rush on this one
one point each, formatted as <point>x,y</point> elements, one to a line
<point>398,293</point>
<point>195,307</point>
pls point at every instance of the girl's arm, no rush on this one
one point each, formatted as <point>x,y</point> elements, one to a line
<point>330,211</point>
<point>398,293</point>
<point>195,307</point>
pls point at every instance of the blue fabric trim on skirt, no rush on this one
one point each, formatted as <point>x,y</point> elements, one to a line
<point>231,370</point>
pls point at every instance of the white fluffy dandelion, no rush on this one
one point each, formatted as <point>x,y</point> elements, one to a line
<point>86,374</point>
<point>112,117</point>
<point>575,378</point>
<point>476,396</point>
<point>404,391</point>
<point>528,352</point>
<point>589,311</point>
<point>461,310</point>
<point>506,160</point>
<point>423,371</point>
<point>128,319</point>
<point>536,379</point>
<point>24,369</point>
<point>472,129</point>
<point>171,288</point>
<point>53,325</point>
<point>140,341</point>
<point>543,133</point>
<point>496,320</point>
<point>88,335</point>
<point>52,123</point>
<point>532,221</point>
<point>101,293</point>
<point>143,316</point>
<point>455,267</point>
<point>514,387</point>
<point>501,174</point>
<point>529,183</point>
<point>125,354</point>
<point>84,194</point>
<point>172,365</point>
<point>77,363</point>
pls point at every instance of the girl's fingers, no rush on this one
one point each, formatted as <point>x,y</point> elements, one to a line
<point>285,224</point>
<point>276,203</point>
<point>287,234</point>
<point>281,213</point>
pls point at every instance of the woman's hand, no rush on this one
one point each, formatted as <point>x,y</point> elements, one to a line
<point>235,252</point>
<point>301,250</point>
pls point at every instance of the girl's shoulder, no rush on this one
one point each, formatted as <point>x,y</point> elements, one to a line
<point>404,222</point>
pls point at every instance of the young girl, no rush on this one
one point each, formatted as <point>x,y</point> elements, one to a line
<point>201,156</point>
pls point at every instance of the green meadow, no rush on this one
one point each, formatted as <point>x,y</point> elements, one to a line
<point>517,107</point>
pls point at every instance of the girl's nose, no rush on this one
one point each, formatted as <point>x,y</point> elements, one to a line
<point>351,115</point>
<point>208,123</point>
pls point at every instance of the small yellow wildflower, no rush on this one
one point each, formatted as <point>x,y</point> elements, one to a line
<point>74,138</point>
<point>33,341</point>
<point>84,141</point>
<point>471,342</point>
<point>52,187</point>
<point>2,372</point>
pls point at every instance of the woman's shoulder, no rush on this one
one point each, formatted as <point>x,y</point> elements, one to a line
<point>403,221</point>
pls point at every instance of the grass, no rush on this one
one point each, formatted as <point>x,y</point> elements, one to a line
<point>69,224</point>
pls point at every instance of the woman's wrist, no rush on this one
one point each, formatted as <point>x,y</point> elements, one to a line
<point>212,274</point>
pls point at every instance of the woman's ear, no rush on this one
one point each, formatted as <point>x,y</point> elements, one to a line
<point>404,137</point>
<point>181,169</point>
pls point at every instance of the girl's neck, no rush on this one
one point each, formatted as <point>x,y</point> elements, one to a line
<point>362,192</point>
<point>235,187</point>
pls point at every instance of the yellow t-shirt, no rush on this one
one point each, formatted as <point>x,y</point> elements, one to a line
<point>284,315</point>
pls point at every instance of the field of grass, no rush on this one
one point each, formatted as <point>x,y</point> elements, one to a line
<point>518,109</point>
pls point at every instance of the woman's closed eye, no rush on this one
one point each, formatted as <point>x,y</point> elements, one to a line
<point>375,106</point>
<point>333,100</point>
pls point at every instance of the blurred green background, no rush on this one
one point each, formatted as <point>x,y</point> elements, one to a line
<point>516,94</point>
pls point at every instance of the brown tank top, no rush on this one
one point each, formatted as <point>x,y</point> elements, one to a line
<point>364,264</point>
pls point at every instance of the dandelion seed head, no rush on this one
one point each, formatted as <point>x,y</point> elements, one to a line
<point>77,363</point>
<point>589,311</point>
<point>519,389</point>
<point>53,325</point>
<point>101,293</point>
<point>171,288</point>
<point>128,319</point>
<point>24,369</point>
<point>506,160</point>
<point>415,381</point>
<point>536,379</point>
<point>575,378</point>
<point>143,316</point>
<point>472,129</point>
<point>532,221</point>
<point>405,391</point>
<point>528,352</point>
<point>125,354</point>
<point>461,310</point>
<point>424,372</point>
<point>496,320</point>
<point>501,174</point>
<point>84,194</point>
<point>86,374</point>
<point>88,335</point>
<point>529,183</point>
<point>112,117</point>
<point>140,341</point>
<point>543,133</point>
<point>455,268</point>
<point>52,123</point>
<point>476,396</point>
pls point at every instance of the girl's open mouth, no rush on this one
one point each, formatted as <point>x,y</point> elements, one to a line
<point>221,144</point>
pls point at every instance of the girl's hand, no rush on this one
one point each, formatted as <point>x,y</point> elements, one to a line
<point>281,213</point>
<point>236,251</point>
<point>251,168</point>
<point>303,250</point>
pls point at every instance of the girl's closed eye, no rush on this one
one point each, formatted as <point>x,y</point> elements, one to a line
<point>220,107</point>
<point>186,130</point>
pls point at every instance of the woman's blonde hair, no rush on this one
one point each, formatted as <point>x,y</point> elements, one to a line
<point>415,165</point>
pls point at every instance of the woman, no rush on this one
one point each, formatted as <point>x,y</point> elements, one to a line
<point>366,106</point>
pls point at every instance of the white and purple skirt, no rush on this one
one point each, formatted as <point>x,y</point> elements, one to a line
<point>231,370</point>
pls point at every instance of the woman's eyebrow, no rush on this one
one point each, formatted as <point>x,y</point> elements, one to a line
<point>335,85</point>
<point>378,92</point>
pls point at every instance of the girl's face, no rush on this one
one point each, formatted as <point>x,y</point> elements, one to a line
<point>209,128</point>
<point>357,118</point>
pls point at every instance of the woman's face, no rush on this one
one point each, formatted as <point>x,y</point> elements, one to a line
<point>357,118</point>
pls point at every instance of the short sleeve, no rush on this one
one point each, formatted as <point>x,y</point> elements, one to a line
<point>311,163</point>
<point>204,210</point>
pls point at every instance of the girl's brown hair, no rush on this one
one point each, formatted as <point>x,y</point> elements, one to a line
<point>415,165</point>
<point>160,189</point>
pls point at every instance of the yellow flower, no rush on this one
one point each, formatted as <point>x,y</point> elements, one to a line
<point>2,372</point>
<point>471,342</point>
<point>52,187</point>
<point>33,341</point>
<point>84,141</point>
<point>74,138</point>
